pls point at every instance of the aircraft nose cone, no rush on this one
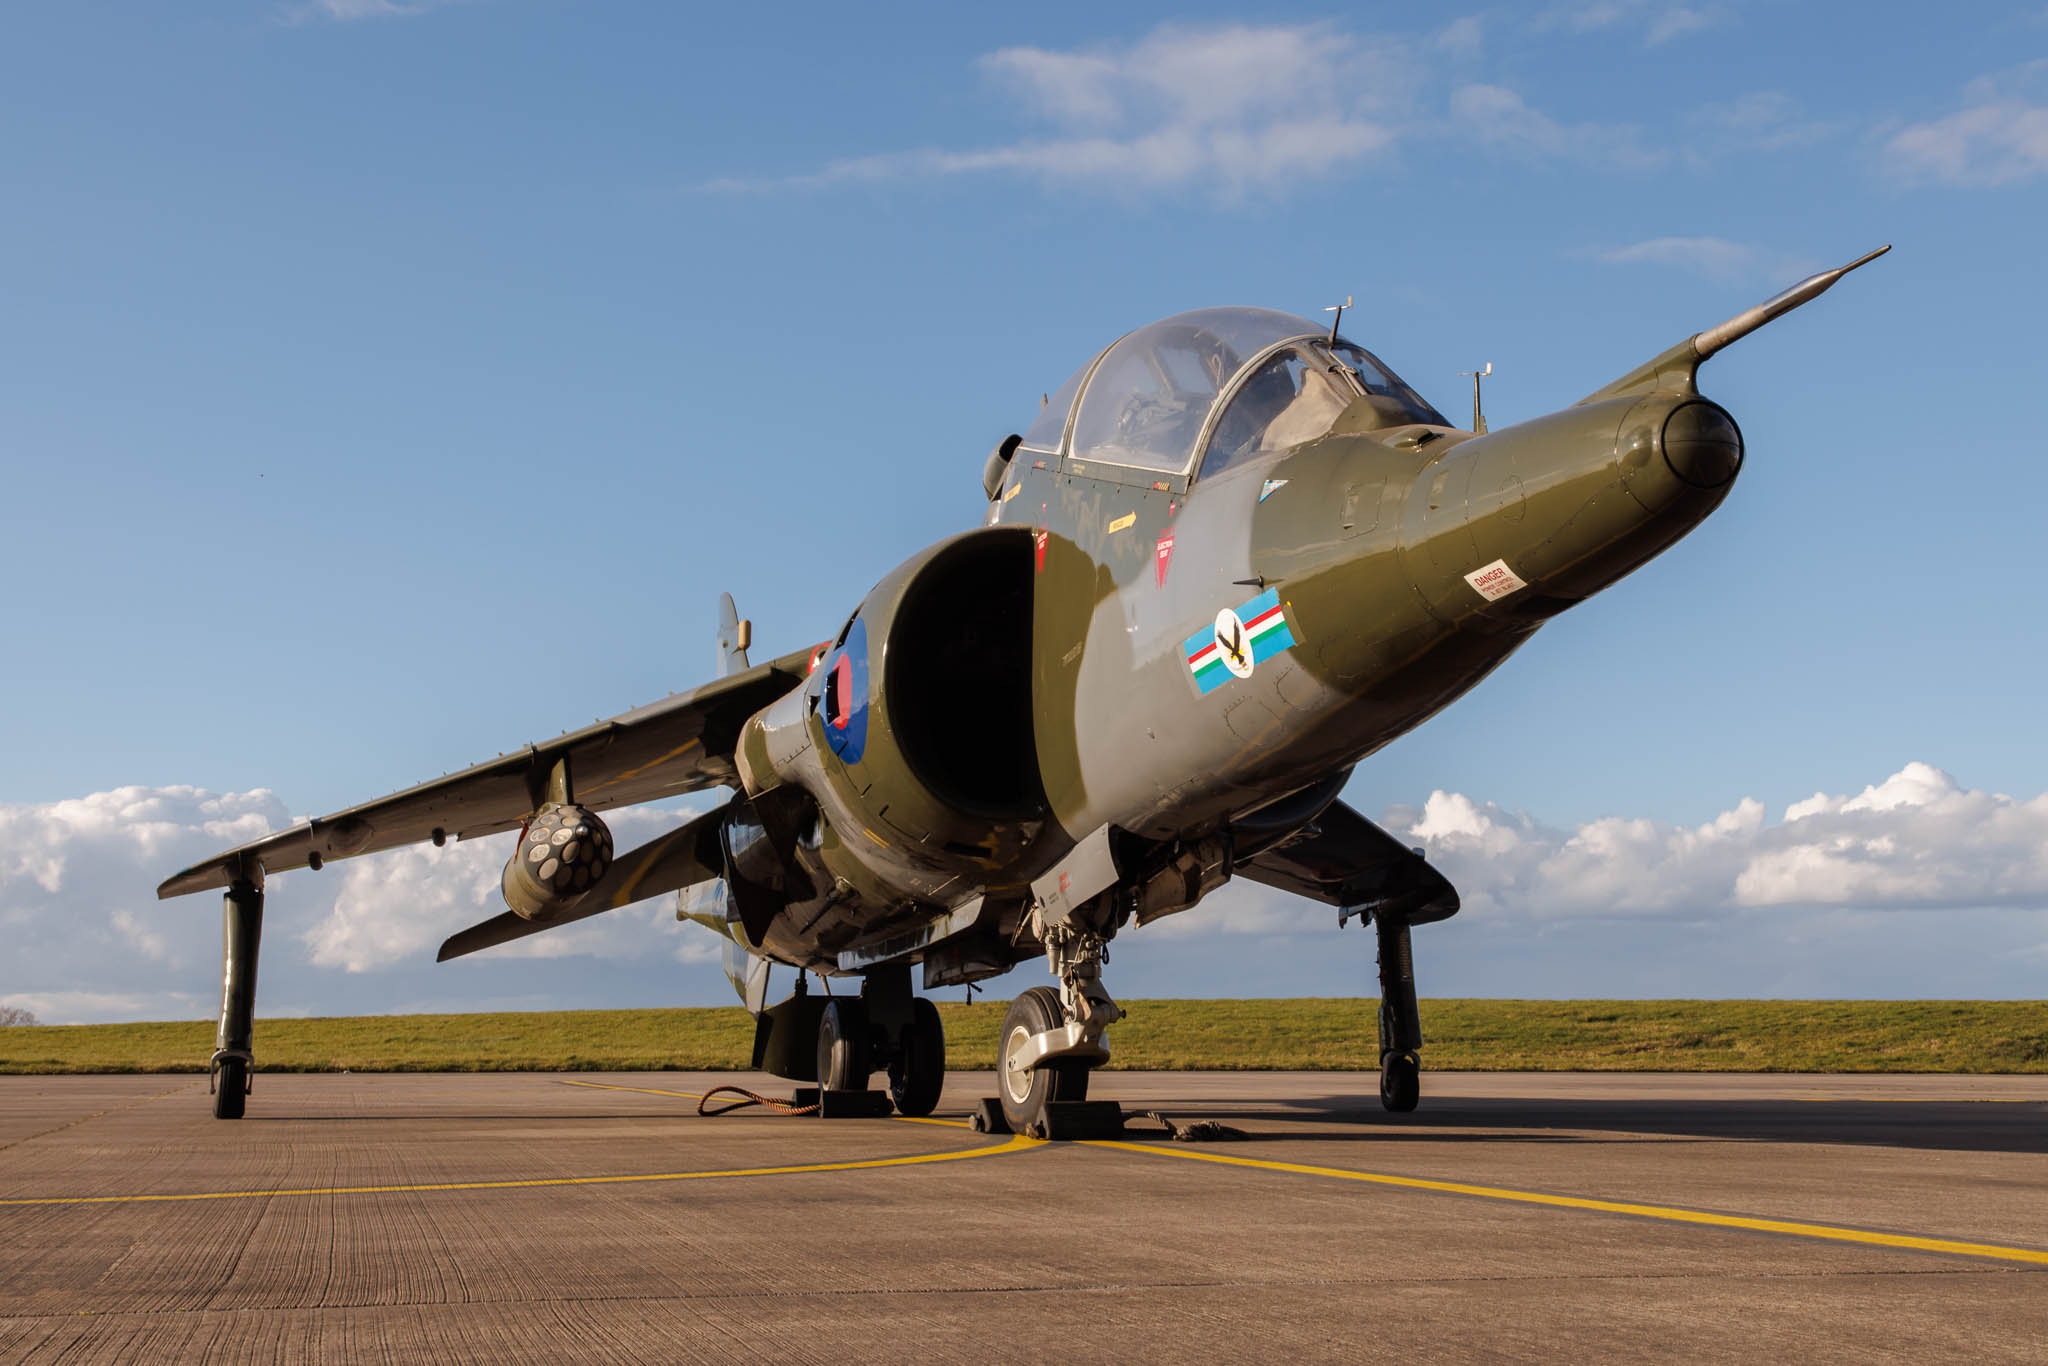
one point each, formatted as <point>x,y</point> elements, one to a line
<point>1702,445</point>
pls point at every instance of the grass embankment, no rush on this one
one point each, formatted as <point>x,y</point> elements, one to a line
<point>1591,1036</point>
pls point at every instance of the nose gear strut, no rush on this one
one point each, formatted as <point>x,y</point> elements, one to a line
<point>1051,1040</point>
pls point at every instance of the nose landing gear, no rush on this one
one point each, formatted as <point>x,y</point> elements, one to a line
<point>1052,1039</point>
<point>1027,1090</point>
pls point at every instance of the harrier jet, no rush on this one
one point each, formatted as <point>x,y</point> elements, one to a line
<point>1230,558</point>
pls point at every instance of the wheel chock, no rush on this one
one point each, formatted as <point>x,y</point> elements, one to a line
<point>988,1117</point>
<point>1079,1120</point>
<point>845,1104</point>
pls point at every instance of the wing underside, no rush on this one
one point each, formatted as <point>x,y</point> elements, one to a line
<point>680,744</point>
<point>1345,860</point>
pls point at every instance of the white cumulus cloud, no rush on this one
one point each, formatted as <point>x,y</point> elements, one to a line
<point>1917,840</point>
<point>88,938</point>
<point>1835,872</point>
<point>400,905</point>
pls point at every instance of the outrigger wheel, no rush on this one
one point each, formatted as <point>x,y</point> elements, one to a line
<point>1400,1082</point>
<point>917,1074</point>
<point>1026,1094</point>
<point>231,1088</point>
<point>844,1058</point>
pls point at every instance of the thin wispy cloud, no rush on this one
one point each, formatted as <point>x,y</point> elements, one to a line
<point>1495,116</point>
<point>350,11</point>
<point>1234,106</point>
<point>1715,258</point>
<point>1761,121</point>
<point>1659,23</point>
<point>1676,22</point>
<point>1998,137</point>
<point>1461,37</point>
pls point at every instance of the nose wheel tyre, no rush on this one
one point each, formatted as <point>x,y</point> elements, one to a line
<point>1026,1094</point>
<point>918,1074</point>
<point>1400,1082</point>
<point>844,1058</point>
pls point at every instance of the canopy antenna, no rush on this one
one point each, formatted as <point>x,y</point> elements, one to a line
<point>1337,309</point>
<point>1478,417</point>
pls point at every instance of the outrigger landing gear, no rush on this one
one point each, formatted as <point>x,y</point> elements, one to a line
<point>887,1029</point>
<point>1400,1019</point>
<point>241,931</point>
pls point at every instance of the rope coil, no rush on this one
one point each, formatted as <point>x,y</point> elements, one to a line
<point>1199,1131</point>
<point>787,1107</point>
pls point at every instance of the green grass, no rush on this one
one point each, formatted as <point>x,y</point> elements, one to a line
<point>1337,1035</point>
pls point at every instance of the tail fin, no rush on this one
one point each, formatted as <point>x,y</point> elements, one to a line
<point>734,636</point>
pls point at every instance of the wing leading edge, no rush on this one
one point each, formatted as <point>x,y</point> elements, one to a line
<point>679,744</point>
<point>1345,860</point>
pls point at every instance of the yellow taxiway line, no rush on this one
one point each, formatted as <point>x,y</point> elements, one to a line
<point>1010,1145</point>
<point>1669,1214</point>
<point>1666,1213</point>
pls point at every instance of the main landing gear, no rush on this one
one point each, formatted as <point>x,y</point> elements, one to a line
<point>885,1028</point>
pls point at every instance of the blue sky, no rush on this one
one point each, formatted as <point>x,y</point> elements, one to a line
<point>389,384</point>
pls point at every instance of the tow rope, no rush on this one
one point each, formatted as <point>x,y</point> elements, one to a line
<point>1201,1131</point>
<point>787,1107</point>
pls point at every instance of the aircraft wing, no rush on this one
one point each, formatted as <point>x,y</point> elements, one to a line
<point>1343,859</point>
<point>679,744</point>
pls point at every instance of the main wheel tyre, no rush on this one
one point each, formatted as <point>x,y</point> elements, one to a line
<point>918,1074</point>
<point>1026,1094</point>
<point>1400,1082</point>
<point>231,1088</point>
<point>844,1059</point>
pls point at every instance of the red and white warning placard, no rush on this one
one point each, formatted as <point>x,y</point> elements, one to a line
<point>1495,581</point>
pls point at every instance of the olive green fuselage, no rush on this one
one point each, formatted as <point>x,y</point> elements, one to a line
<point>1385,548</point>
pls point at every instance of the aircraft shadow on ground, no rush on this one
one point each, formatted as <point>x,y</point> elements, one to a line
<point>1957,1126</point>
<point>469,1117</point>
<point>1937,1125</point>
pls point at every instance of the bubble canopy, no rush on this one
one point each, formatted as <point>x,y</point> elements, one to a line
<point>1147,399</point>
